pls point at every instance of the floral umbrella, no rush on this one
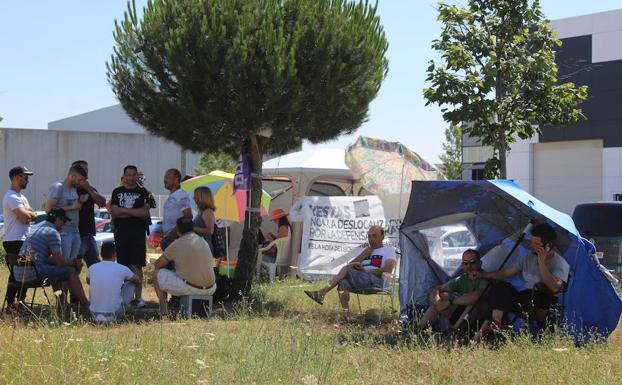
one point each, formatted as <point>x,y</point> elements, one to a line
<point>230,206</point>
<point>386,168</point>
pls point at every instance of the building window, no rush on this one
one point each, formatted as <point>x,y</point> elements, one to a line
<point>617,197</point>
<point>477,174</point>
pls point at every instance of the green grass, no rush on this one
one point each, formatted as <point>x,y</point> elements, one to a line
<point>285,339</point>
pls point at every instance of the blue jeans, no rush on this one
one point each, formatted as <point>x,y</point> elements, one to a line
<point>70,245</point>
<point>88,250</point>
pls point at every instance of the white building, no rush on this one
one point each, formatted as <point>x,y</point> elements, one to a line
<point>106,138</point>
<point>567,165</point>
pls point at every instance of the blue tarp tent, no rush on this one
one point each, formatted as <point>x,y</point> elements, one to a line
<point>446,217</point>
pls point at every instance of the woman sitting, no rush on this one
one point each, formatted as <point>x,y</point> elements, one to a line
<point>284,230</point>
<point>204,220</point>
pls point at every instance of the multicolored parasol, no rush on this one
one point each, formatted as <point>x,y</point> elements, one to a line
<point>229,206</point>
<point>385,167</point>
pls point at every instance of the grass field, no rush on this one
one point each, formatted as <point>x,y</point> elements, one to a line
<point>284,338</point>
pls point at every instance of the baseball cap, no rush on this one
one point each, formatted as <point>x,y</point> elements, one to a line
<point>55,213</point>
<point>19,170</point>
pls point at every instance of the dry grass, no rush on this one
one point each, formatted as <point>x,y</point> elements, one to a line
<point>284,339</point>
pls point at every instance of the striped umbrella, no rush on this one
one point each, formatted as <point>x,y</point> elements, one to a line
<point>229,206</point>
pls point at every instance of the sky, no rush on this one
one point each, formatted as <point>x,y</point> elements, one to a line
<point>53,65</point>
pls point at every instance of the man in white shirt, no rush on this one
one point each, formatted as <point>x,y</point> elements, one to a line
<point>362,273</point>
<point>177,205</point>
<point>17,217</point>
<point>111,286</point>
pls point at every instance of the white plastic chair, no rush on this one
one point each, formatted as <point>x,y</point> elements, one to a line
<point>282,256</point>
<point>388,288</point>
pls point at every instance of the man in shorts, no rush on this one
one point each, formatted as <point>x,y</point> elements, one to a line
<point>194,273</point>
<point>43,247</point>
<point>64,194</point>
<point>363,273</point>
<point>129,210</point>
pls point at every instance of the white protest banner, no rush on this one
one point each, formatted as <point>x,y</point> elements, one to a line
<point>334,231</point>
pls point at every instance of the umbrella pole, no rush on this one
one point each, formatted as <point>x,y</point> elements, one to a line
<point>476,303</point>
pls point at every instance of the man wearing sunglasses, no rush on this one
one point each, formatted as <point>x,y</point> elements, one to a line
<point>450,299</point>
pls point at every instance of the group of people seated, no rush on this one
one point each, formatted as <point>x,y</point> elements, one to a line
<point>544,272</point>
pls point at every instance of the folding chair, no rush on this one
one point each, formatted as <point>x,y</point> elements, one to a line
<point>388,288</point>
<point>19,283</point>
<point>282,257</point>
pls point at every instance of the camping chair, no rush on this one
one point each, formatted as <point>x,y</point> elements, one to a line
<point>282,256</point>
<point>388,288</point>
<point>13,260</point>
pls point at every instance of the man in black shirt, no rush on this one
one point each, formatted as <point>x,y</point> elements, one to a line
<point>129,210</point>
<point>88,247</point>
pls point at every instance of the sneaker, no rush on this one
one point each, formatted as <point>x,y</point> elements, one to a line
<point>314,295</point>
<point>494,326</point>
<point>138,303</point>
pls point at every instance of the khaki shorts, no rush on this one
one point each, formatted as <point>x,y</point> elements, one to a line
<point>172,284</point>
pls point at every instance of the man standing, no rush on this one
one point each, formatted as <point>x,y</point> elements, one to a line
<point>112,287</point>
<point>129,210</point>
<point>17,217</point>
<point>194,273</point>
<point>43,246</point>
<point>177,205</point>
<point>450,299</point>
<point>88,246</point>
<point>545,273</point>
<point>363,273</point>
<point>63,194</point>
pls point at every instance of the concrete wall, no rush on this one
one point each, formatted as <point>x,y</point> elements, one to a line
<point>50,153</point>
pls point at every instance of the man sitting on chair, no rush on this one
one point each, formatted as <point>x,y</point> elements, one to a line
<point>43,245</point>
<point>364,273</point>
<point>449,300</point>
<point>194,273</point>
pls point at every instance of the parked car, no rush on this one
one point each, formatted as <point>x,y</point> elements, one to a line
<point>455,241</point>
<point>1,224</point>
<point>40,217</point>
<point>103,214</point>
<point>155,235</point>
<point>600,223</point>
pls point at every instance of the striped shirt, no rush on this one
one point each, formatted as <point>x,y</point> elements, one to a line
<point>39,244</point>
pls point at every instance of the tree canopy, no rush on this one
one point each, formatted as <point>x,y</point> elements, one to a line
<point>452,156</point>
<point>208,73</point>
<point>497,75</point>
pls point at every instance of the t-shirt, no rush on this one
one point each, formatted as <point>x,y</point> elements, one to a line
<point>106,279</point>
<point>531,275</point>
<point>87,215</point>
<point>378,258</point>
<point>41,243</point>
<point>14,230</point>
<point>174,206</point>
<point>134,198</point>
<point>463,285</point>
<point>193,259</point>
<point>66,196</point>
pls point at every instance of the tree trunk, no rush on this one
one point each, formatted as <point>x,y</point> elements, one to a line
<point>247,255</point>
<point>502,152</point>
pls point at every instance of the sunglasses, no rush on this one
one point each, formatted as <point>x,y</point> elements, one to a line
<point>471,262</point>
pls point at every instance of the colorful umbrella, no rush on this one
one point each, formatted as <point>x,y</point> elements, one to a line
<point>229,206</point>
<point>386,168</point>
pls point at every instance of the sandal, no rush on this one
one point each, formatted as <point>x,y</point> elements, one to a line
<point>314,296</point>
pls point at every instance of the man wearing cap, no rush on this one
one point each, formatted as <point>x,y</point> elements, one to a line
<point>194,273</point>
<point>63,194</point>
<point>17,217</point>
<point>86,226</point>
<point>177,205</point>
<point>43,248</point>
